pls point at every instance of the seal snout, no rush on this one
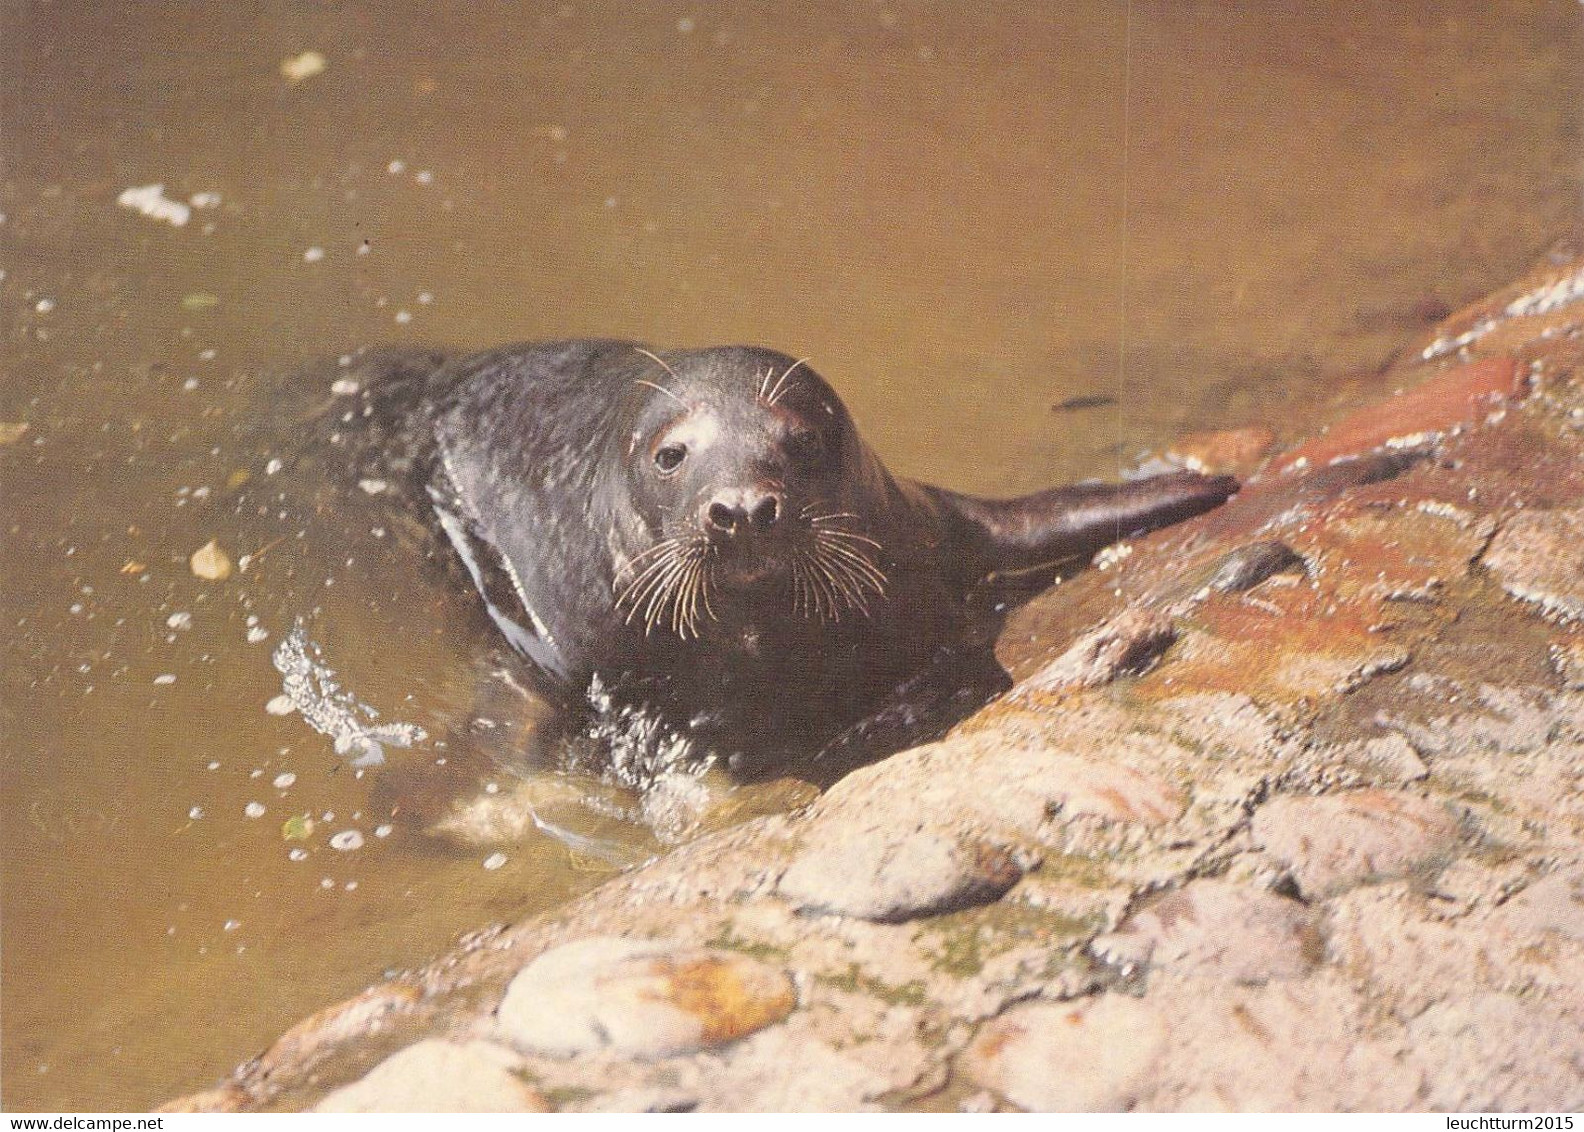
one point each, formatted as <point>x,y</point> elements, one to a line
<point>735,511</point>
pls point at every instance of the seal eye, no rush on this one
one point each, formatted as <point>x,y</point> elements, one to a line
<point>669,458</point>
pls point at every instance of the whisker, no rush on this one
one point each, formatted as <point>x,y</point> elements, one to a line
<point>664,594</point>
<point>781,387</point>
<point>856,562</point>
<point>837,534</point>
<point>662,389</point>
<point>659,361</point>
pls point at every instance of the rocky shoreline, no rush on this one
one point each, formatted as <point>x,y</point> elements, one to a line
<point>1283,812</point>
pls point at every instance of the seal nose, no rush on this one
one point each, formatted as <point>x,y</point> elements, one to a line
<point>736,511</point>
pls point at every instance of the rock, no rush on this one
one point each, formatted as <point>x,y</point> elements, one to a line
<point>1217,928</point>
<point>1494,1052</point>
<point>1290,1045</point>
<point>321,1034</point>
<point>1335,841</point>
<point>439,1076</point>
<point>776,1071</point>
<point>1538,556</point>
<point>1443,401</point>
<point>639,999</point>
<point>1404,554</point>
<point>889,875</point>
<point>1094,1055</point>
<point>1567,657</point>
<point>643,1100</point>
<point>1128,642</point>
<point>222,1098</point>
<point>1237,451</point>
<point>1551,904</point>
<point>1280,645</point>
<point>1389,760</point>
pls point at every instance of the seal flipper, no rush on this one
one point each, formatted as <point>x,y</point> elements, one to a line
<point>1049,527</point>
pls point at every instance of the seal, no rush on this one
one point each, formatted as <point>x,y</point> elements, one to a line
<point>705,532</point>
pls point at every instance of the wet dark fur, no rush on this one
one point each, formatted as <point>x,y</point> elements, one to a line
<point>544,464</point>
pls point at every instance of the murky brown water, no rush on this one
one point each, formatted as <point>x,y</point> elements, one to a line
<point>961,212</point>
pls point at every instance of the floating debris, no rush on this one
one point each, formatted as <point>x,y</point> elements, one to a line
<point>165,678</point>
<point>181,620</point>
<point>11,431</point>
<point>253,810</point>
<point>257,634</point>
<point>195,814</point>
<point>312,688</point>
<point>199,301</point>
<point>296,68</point>
<point>151,201</point>
<point>383,830</point>
<point>280,705</point>
<point>313,254</point>
<point>44,306</point>
<point>373,486</point>
<point>347,840</point>
<point>299,827</point>
<point>344,387</point>
<point>210,562</point>
<point>204,200</point>
<point>494,861</point>
<point>284,781</point>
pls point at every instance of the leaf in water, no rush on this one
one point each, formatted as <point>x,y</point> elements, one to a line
<point>298,828</point>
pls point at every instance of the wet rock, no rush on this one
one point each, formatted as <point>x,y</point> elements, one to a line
<point>440,1076</point>
<point>639,999</point>
<point>1405,554</point>
<point>223,1098</point>
<point>889,875</point>
<point>1129,642</point>
<point>1538,556</point>
<point>1280,644</point>
<point>1237,451</point>
<point>1094,1055</point>
<point>1440,402</point>
<point>1218,928</point>
<point>320,1034</point>
<point>1248,566</point>
<point>1332,842</point>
